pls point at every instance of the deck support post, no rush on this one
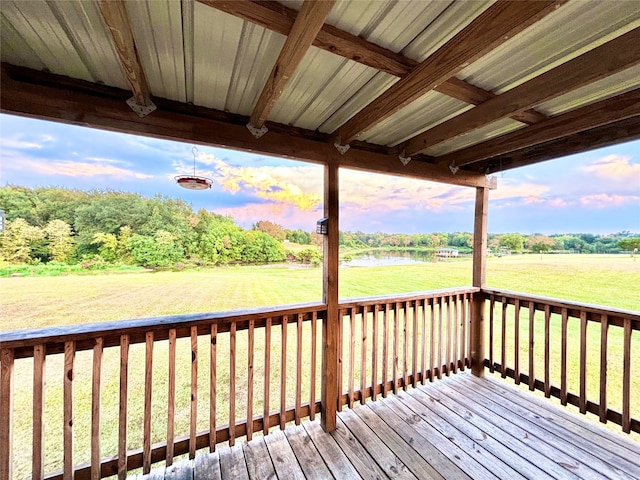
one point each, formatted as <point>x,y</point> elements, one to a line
<point>479,280</point>
<point>330,325</point>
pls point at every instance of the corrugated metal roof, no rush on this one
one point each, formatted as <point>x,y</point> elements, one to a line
<point>426,112</point>
<point>573,29</point>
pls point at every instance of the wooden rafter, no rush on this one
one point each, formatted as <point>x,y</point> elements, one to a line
<point>614,56</point>
<point>600,137</point>
<point>304,30</point>
<point>595,115</point>
<point>279,18</point>
<point>115,17</point>
<point>494,26</point>
<point>82,103</point>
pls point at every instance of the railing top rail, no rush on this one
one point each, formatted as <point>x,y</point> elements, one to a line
<point>23,338</point>
<point>634,315</point>
<point>393,298</point>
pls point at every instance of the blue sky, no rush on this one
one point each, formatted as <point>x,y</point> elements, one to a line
<point>595,192</point>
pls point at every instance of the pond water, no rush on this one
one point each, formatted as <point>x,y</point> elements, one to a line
<point>380,258</point>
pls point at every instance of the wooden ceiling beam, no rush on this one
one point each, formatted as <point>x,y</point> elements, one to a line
<point>304,30</point>
<point>591,116</point>
<point>497,24</point>
<point>81,103</point>
<point>600,137</point>
<point>603,61</point>
<point>279,18</point>
<point>115,17</point>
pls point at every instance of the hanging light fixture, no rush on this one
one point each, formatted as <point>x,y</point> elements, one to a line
<point>194,182</point>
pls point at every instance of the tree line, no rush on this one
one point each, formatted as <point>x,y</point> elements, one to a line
<point>51,224</point>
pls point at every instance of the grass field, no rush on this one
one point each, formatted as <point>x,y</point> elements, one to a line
<point>35,302</point>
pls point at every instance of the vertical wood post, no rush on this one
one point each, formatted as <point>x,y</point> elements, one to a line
<point>479,279</point>
<point>331,324</point>
<point>6,412</point>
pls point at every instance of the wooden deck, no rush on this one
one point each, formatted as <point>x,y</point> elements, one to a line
<point>460,427</point>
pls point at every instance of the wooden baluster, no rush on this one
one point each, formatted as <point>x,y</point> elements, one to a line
<point>298,370</point>
<point>232,384</point>
<point>440,314</point>
<point>432,365</point>
<point>194,392</point>
<point>39,362</point>
<point>463,340</point>
<point>385,350</point>
<point>6,412</point>
<point>563,358</point>
<point>456,339</point>
<point>312,393</point>
<point>267,376</point>
<point>423,368</point>
<point>516,341</point>
<point>69,373</point>
<point>583,362</point>
<point>171,398</point>
<point>503,358</point>
<point>405,351</point>
<point>213,373</point>
<point>96,391</point>
<point>352,348</point>
<point>374,361</point>
<point>250,380</point>
<point>415,344</point>
<point>604,335</point>
<point>467,315</point>
<point>341,315</point>
<point>122,420</point>
<point>394,367</point>
<point>532,314</point>
<point>148,385</point>
<point>492,303</point>
<point>547,359</point>
<point>363,356</point>
<point>626,378</point>
<point>448,337</point>
<point>283,372</point>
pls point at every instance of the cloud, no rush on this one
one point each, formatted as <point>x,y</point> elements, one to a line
<point>70,168</point>
<point>604,200</point>
<point>614,167</point>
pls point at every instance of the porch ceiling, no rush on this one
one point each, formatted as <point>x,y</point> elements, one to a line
<point>480,85</point>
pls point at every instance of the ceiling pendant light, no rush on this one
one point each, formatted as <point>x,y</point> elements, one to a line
<point>194,182</point>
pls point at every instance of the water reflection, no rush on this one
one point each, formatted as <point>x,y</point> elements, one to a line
<point>381,258</point>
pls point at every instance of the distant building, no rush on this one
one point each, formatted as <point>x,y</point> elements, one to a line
<point>447,252</point>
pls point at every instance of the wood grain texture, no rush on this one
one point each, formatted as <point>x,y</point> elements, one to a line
<point>6,409</point>
<point>114,14</point>
<point>352,355</point>
<point>67,408</point>
<point>604,336</point>
<point>250,355</point>
<point>284,461</point>
<point>96,392</point>
<point>516,341</point>
<point>563,357</point>
<point>298,400</point>
<point>611,110</point>
<point>259,464</point>
<point>283,371</point>
<point>583,362</point>
<point>148,395</point>
<point>193,410</point>
<point>213,390</point>
<point>547,351</point>
<point>314,358</point>
<point>267,374</point>
<point>171,397</point>
<point>309,458</point>
<point>494,26</point>
<point>306,26</point>
<point>363,355</point>
<point>122,418</point>
<point>532,317</point>
<point>626,378</point>
<point>232,384</point>
<point>374,353</point>
<point>385,350</point>
<point>605,60</point>
<point>39,383</point>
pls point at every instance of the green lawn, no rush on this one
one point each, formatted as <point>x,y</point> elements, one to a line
<point>43,301</point>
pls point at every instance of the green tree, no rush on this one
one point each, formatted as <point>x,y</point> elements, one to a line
<point>108,244</point>
<point>19,240</point>
<point>59,235</point>
<point>631,244</point>
<point>513,241</point>
<point>276,231</point>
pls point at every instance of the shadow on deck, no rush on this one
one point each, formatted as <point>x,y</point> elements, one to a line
<point>459,427</point>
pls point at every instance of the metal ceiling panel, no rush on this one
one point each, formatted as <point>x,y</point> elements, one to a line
<point>573,29</point>
<point>617,84</point>
<point>321,85</point>
<point>15,49</point>
<point>494,129</point>
<point>426,112</point>
<point>157,30</point>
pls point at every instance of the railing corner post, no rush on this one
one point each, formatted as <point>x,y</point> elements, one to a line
<point>477,334</point>
<point>476,329</point>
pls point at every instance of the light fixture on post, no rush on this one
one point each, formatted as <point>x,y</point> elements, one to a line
<point>322,226</point>
<point>194,182</point>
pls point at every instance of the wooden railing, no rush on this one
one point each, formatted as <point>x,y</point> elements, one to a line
<point>169,368</point>
<point>551,345</point>
<point>389,343</point>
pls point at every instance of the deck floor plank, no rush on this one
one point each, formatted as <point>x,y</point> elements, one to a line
<point>232,463</point>
<point>460,427</point>
<point>284,461</point>
<point>306,452</point>
<point>588,454</point>
<point>258,460</point>
<point>388,462</point>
